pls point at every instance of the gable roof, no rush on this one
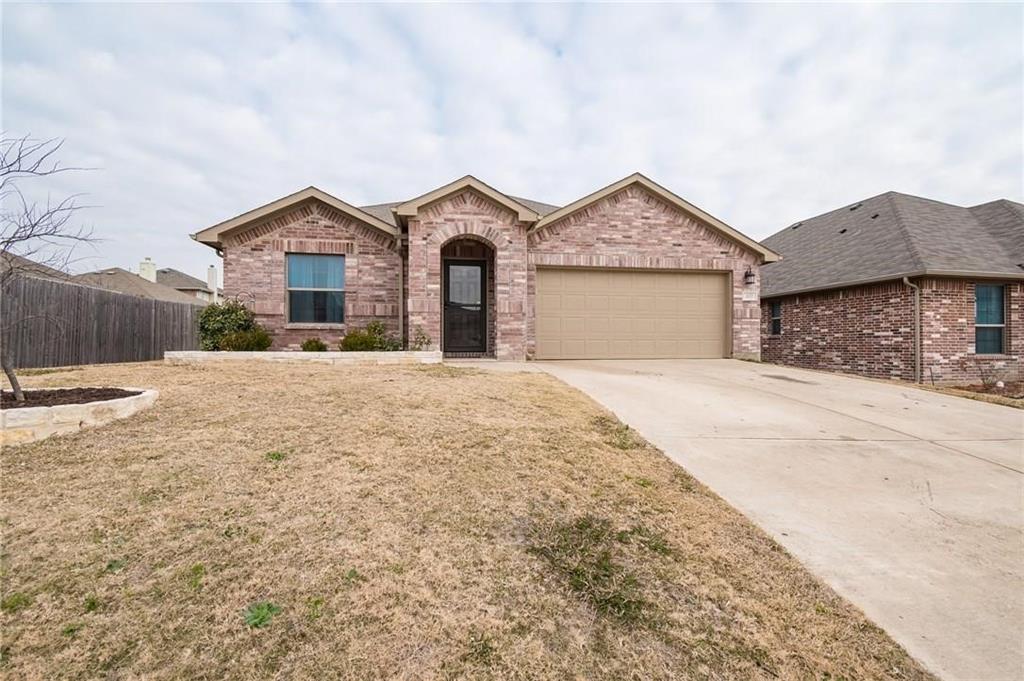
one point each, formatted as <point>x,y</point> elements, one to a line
<point>31,268</point>
<point>123,281</point>
<point>665,195</point>
<point>411,207</point>
<point>894,235</point>
<point>211,236</point>
<point>176,279</point>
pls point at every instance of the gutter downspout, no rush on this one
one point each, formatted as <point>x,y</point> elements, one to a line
<point>401,287</point>
<point>917,328</point>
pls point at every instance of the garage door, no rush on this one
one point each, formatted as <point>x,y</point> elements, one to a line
<point>595,314</point>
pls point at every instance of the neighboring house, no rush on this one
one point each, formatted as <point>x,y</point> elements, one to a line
<point>206,291</point>
<point>123,281</point>
<point>25,267</point>
<point>898,286</point>
<point>631,270</point>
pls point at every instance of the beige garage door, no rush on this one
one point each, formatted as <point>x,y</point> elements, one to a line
<point>596,314</point>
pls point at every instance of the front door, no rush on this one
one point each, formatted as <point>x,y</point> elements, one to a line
<point>465,306</point>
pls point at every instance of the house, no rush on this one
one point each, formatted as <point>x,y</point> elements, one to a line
<point>206,291</point>
<point>123,281</point>
<point>899,286</point>
<point>631,270</point>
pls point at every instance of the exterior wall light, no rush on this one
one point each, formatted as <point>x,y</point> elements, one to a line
<point>749,277</point>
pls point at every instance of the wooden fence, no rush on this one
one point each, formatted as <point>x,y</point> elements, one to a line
<point>49,323</point>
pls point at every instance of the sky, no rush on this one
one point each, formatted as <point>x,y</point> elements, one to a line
<point>762,115</point>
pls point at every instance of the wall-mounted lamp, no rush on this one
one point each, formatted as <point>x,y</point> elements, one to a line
<point>749,277</point>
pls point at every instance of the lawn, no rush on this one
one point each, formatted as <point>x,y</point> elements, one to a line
<point>418,522</point>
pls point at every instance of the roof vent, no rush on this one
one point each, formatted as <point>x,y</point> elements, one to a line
<point>856,207</point>
<point>843,230</point>
<point>796,225</point>
<point>874,216</point>
<point>1020,265</point>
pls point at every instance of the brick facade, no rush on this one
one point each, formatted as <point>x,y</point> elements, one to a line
<point>869,331</point>
<point>254,271</point>
<point>635,229</point>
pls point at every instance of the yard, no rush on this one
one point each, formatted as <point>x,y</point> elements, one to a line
<point>393,522</point>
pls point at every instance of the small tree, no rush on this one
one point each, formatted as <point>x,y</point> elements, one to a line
<point>34,235</point>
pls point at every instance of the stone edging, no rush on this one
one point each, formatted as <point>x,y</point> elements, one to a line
<point>30,424</point>
<point>402,357</point>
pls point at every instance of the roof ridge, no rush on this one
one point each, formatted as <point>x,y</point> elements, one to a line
<point>907,238</point>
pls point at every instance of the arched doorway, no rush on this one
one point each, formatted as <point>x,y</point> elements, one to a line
<point>468,306</point>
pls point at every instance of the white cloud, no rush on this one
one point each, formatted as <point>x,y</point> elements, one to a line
<point>762,115</point>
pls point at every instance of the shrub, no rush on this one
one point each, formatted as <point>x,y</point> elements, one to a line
<point>223,319</point>
<point>253,340</point>
<point>373,338</point>
<point>314,345</point>
<point>420,340</point>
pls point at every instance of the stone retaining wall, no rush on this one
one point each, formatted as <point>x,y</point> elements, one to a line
<point>30,424</point>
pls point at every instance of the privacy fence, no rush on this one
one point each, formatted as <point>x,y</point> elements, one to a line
<point>49,323</point>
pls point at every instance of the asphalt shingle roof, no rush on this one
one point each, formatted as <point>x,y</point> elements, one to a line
<point>383,211</point>
<point>895,235</point>
<point>169,276</point>
<point>123,281</point>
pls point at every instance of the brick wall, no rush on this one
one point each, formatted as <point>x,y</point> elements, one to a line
<point>865,330</point>
<point>468,214</point>
<point>254,270</point>
<point>947,339</point>
<point>868,330</point>
<point>635,229</point>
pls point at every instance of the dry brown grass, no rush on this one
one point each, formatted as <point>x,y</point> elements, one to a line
<point>419,522</point>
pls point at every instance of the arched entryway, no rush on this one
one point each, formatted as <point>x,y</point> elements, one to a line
<point>468,305</point>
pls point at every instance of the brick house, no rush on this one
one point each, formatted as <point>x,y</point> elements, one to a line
<point>631,270</point>
<point>898,286</point>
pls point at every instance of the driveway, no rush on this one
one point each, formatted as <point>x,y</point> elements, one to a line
<point>908,503</point>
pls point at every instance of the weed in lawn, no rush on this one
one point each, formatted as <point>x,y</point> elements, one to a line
<point>581,551</point>
<point>481,649</point>
<point>314,608</point>
<point>92,603</point>
<point>617,434</point>
<point>647,538</point>
<point>15,601</point>
<point>353,576</point>
<point>260,613</point>
<point>276,456</point>
<point>114,566</point>
<point>72,629</point>
<point>194,579</point>
<point>642,482</point>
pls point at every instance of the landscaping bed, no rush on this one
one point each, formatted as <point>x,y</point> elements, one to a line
<point>51,398</point>
<point>269,520</point>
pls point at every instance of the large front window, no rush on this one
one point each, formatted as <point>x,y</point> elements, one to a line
<point>316,289</point>
<point>989,320</point>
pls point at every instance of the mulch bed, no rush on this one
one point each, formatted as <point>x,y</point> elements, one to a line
<point>51,398</point>
<point>1011,389</point>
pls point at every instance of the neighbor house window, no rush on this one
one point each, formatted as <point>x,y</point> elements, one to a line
<point>776,317</point>
<point>989,322</point>
<point>316,289</point>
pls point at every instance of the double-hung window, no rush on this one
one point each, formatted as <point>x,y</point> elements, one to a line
<point>776,317</point>
<point>316,289</point>
<point>989,319</point>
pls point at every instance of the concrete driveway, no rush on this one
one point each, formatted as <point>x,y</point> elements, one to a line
<point>908,503</point>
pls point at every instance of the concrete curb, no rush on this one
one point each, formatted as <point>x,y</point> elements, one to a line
<point>31,424</point>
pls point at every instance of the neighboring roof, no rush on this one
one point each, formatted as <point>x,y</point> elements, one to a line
<point>411,207</point>
<point>30,268</point>
<point>168,276</point>
<point>211,236</point>
<point>895,235</point>
<point>123,281</point>
<point>636,178</point>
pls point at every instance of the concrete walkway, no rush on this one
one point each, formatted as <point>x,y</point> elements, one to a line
<point>908,503</point>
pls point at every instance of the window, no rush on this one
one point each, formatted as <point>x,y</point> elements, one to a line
<point>776,317</point>
<point>316,289</point>
<point>989,321</point>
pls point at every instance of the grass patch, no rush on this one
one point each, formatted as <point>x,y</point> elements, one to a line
<point>616,433</point>
<point>582,551</point>
<point>92,603</point>
<point>260,613</point>
<point>14,602</point>
<point>314,608</point>
<point>114,566</point>
<point>194,577</point>
<point>276,456</point>
<point>71,630</point>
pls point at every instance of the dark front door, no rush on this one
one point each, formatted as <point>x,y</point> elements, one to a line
<point>465,306</point>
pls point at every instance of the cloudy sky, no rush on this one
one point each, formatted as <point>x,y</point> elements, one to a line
<point>761,115</point>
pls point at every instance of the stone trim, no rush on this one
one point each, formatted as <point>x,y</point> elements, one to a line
<point>31,424</point>
<point>401,357</point>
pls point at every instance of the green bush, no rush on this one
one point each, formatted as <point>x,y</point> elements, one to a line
<point>314,345</point>
<point>253,340</point>
<point>222,319</point>
<point>373,338</point>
